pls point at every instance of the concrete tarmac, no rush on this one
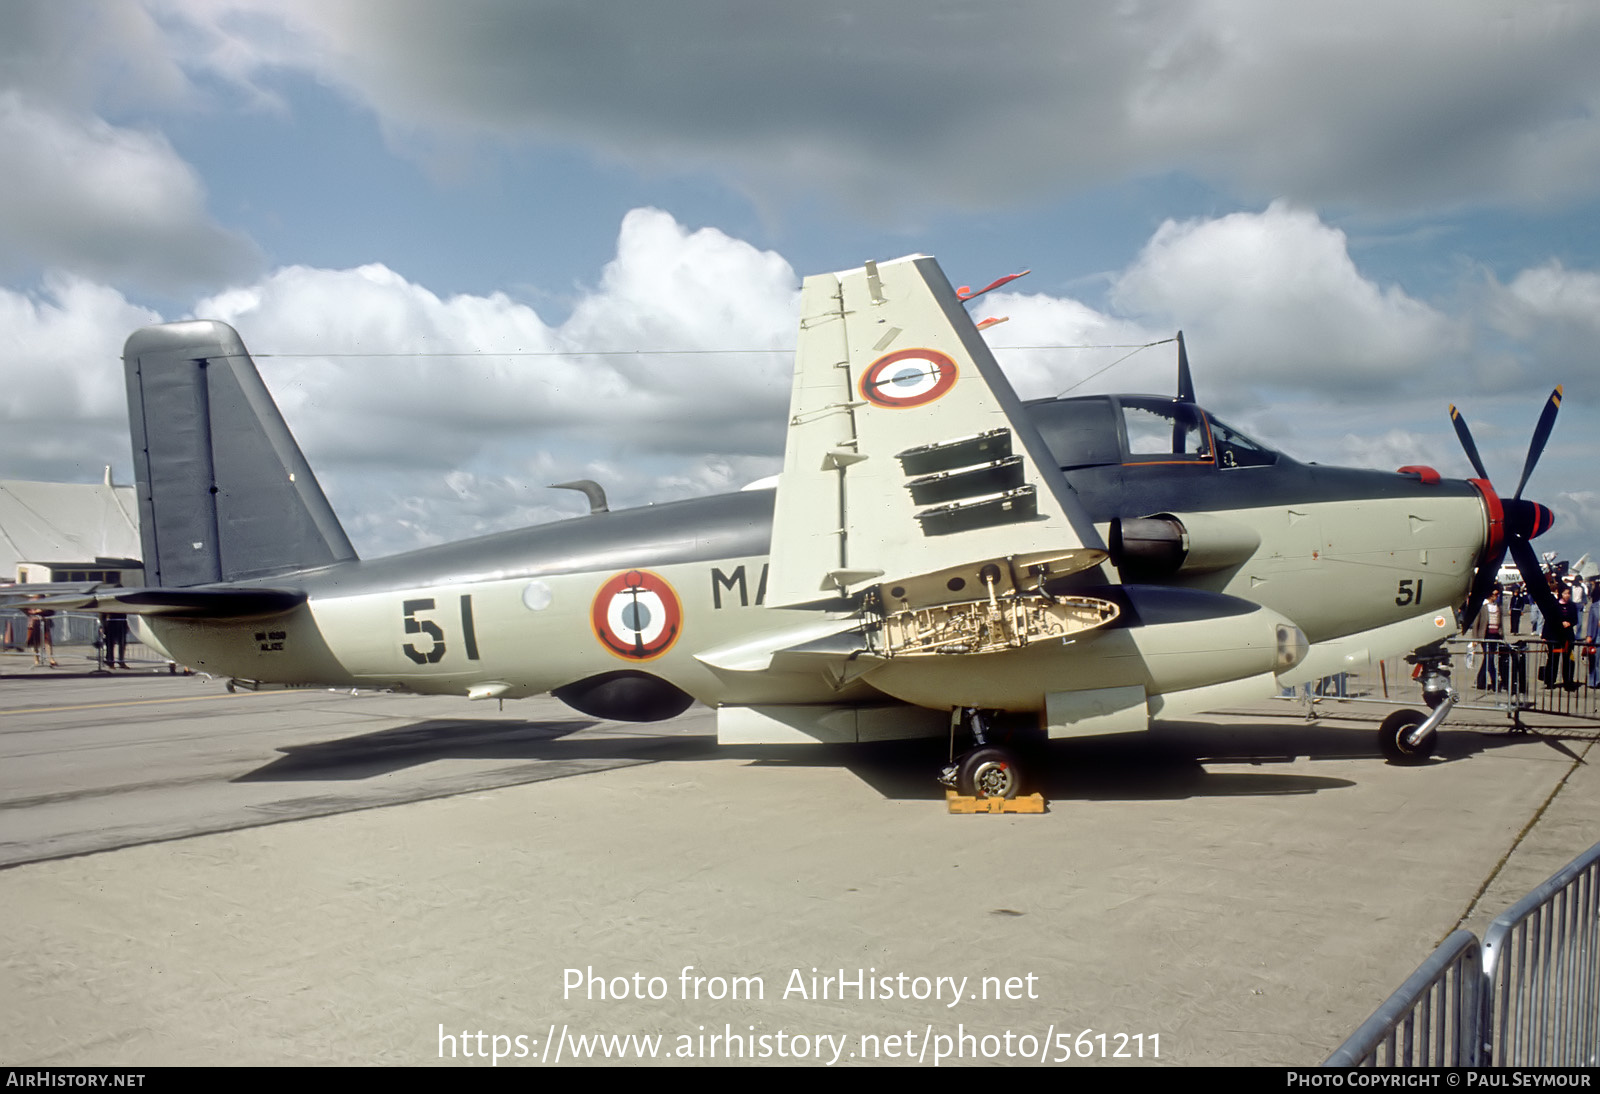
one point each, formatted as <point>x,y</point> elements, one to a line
<point>194,877</point>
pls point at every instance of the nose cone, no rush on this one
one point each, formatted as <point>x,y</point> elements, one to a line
<point>1527,518</point>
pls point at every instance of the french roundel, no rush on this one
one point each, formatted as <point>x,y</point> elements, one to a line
<point>908,377</point>
<point>637,615</point>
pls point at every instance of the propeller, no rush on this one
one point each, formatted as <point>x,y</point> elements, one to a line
<point>1512,522</point>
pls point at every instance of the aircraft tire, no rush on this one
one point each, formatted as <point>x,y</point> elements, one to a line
<point>1392,738</point>
<point>989,772</point>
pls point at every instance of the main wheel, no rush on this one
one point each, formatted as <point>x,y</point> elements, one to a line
<point>989,772</point>
<point>1393,738</point>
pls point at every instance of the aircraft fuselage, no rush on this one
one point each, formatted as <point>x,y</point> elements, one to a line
<point>1336,551</point>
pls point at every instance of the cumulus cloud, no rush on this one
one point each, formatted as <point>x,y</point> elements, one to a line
<point>432,418</point>
<point>1397,448</point>
<point>474,403</point>
<point>62,409</point>
<point>1276,298</point>
<point>76,53</point>
<point>1551,294</point>
<point>1272,303</point>
<point>107,202</point>
<point>1111,362</point>
<point>1553,314</point>
<point>1578,516</point>
<point>1269,302</point>
<point>504,371</point>
<point>910,102</point>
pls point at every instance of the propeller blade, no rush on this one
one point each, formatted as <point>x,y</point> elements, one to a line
<point>1541,434</point>
<point>1465,436</point>
<point>1533,576</point>
<point>1185,381</point>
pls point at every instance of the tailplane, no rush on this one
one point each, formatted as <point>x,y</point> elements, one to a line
<point>224,492</point>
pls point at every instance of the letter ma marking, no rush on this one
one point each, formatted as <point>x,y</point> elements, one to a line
<point>637,615</point>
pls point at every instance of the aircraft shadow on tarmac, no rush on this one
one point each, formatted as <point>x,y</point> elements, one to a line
<point>387,750</point>
<point>1167,763</point>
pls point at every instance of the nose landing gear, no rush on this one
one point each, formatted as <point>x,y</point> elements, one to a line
<point>1409,736</point>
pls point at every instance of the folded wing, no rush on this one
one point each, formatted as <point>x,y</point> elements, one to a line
<point>911,472</point>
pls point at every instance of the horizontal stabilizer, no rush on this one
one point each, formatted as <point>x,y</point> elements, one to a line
<point>12,594</point>
<point>189,603</point>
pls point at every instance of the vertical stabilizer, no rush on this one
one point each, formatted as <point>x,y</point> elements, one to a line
<point>224,492</point>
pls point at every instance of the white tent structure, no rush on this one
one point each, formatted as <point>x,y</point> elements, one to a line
<point>56,524</point>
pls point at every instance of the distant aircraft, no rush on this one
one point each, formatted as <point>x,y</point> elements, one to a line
<point>938,557</point>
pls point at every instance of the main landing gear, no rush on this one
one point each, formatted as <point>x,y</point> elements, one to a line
<point>988,769</point>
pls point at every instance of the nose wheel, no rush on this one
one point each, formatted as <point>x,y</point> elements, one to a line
<point>1402,739</point>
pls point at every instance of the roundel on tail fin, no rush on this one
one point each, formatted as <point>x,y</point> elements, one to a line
<point>908,378</point>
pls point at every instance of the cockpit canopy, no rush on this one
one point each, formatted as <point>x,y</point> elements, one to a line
<point>1142,429</point>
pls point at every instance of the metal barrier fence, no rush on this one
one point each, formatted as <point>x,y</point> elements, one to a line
<point>1525,675</point>
<point>1528,996</point>
<point>68,629</point>
<point>1541,967</point>
<point>1432,1021</point>
<point>1516,677</point>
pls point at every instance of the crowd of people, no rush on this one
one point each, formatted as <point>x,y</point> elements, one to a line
<point>1570,636</point>
<point>112,641</point>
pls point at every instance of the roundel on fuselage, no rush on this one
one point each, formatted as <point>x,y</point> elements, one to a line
<point>637,615</point>
<point>907,378</point>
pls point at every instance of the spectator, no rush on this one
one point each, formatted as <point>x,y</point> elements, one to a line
<point>41,640</point>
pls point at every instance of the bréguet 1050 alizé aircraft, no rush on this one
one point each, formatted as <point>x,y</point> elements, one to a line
<point>937,557</point>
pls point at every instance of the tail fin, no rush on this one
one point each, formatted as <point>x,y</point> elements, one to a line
<point>224,492</point>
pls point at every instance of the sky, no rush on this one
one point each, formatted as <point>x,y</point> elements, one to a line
<point>485,246</point>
